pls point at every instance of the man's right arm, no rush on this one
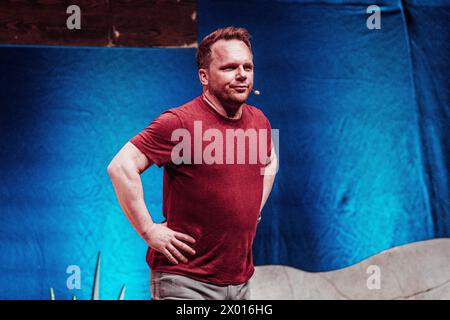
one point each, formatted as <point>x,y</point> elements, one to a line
<point>125,170</point>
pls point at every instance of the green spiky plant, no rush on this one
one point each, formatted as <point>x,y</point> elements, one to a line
<point>96,285</point>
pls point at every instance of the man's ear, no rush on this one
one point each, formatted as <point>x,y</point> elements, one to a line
<point>203,76</point>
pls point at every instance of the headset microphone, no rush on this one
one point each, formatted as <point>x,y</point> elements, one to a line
<point>256,92</point>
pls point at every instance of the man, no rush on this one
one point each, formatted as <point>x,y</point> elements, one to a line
<point>211,201</point>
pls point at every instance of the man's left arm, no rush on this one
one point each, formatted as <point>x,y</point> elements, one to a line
<point>269,177</point>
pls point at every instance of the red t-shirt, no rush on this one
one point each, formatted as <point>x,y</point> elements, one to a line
<point>217,204</point>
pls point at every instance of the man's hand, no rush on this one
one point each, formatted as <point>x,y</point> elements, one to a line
<point>167,241</point>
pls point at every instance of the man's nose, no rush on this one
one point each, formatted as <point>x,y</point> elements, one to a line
<point>241,73</point>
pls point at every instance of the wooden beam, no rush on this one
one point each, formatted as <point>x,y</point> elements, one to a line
<point>155,23</point>
<point>133,23</point>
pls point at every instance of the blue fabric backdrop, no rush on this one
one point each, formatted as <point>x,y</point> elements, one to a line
<point>364,141</point>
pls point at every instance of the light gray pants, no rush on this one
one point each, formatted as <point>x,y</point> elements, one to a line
<point>168,286</point>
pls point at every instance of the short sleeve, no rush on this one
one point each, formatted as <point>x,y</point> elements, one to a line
<point>265,124</point>
<point>269,138</point>
<point>155,140</point>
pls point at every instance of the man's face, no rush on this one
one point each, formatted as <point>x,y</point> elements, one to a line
<point>230,73</point>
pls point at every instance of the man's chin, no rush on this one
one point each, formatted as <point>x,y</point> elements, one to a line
<point>240,97</point>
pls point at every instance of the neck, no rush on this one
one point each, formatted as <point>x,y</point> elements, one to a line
<point>232,112</point>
